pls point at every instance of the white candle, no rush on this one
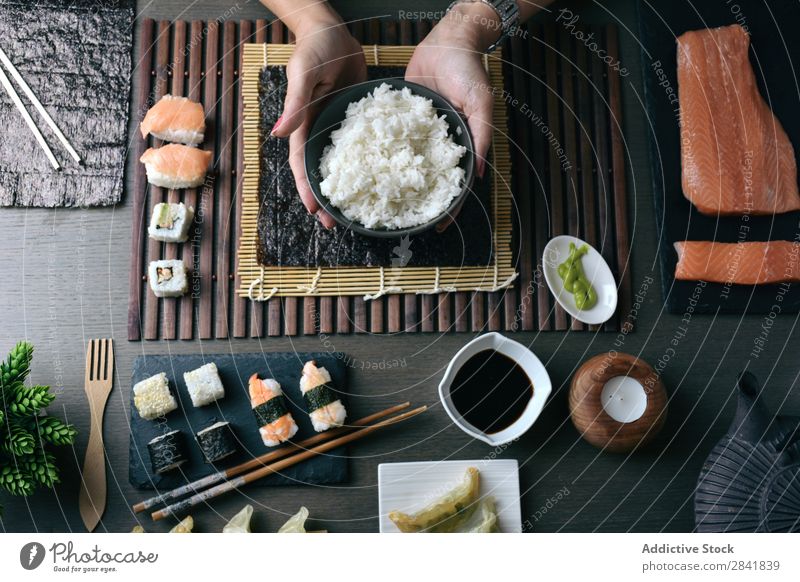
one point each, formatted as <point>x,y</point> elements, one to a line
<point>624,399</point>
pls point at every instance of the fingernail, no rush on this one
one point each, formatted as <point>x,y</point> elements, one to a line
<point>277,124</point>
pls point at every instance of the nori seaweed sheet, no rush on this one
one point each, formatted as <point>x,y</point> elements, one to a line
<point>217,443</point>
<point>168,452</point>
<point>318,397</point>
<point>76,57</point>
<point>289,236</point>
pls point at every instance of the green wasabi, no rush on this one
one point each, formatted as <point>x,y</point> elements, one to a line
<point>575,281</point>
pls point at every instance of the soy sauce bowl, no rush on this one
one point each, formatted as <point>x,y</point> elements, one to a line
<point>597,273</point>
<point>522,357</point>
<point>330,119</point>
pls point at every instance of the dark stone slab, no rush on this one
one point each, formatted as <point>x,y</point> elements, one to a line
<point>289,236</point>
<point>235,370</point>
<point>76,57</point>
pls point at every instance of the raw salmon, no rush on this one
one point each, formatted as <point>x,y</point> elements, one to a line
<point>736,157</point>
<point>176,166</point>
<point>175,119</point>
<point>744,263</point>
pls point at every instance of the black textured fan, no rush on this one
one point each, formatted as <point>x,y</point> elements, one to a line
<point>751,480</point>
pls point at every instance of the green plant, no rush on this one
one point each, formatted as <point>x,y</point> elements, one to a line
<point>25,431</point>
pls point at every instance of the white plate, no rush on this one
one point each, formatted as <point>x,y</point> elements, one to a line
<point>597,272</point>
<point>409,487</point>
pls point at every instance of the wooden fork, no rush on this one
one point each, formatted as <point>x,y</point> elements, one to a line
<point>98,383</point>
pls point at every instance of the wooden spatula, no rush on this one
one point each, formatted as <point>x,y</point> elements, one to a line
<point>99,379</point>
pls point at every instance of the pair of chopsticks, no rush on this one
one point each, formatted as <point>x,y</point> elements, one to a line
<point>217,484</point>
<point>6,82</point>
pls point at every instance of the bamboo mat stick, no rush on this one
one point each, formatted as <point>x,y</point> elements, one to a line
<point>263,460</point>
<point>241,480</point>
<point>135,282</point>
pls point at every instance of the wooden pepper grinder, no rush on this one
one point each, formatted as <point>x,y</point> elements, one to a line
<point>617,402</point>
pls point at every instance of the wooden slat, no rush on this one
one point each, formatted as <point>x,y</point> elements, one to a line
<point>553,122</point>
<point>494,311</point>
<point>290,316</point>
<point>169,320</point>
<point>239,302</point>
<point>588,191</point>
<point>443,315</point>
<point>461,315</point>
<point>343,318</point>
<point>478,307</point>
<point>523,190</point>
<point>225,177</point>
<point>618,177</point>
<point>154,247</point>
<point>309,316</point>
<point>326,315</point>
<point>135,280</point>
<point>568,108</point>
<point>538,94</point>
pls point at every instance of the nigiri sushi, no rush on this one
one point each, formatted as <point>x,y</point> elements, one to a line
<point>176,166</point>
<point>275,422</point>
<point>324,407</point>
<point>176,119</point>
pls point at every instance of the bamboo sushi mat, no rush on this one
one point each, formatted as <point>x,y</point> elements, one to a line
<point>586,199</point>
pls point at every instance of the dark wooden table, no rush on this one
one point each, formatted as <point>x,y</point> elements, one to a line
<point>63,281</point>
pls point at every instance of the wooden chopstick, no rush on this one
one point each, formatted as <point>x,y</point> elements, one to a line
<point>38,105</point>
<point>264,459</point>
<point>6,82</point>
<point>216,491</point>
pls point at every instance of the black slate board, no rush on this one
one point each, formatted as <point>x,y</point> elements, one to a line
<point>774,52</point>
<point>76,57</point>
<point>289,236</point>
<point>234,370</point>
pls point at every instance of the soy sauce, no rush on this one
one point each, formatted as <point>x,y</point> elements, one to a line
<point>491,391</point>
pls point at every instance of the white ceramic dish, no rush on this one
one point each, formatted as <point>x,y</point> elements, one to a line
<point>409,487</point>
<point>525,359</point>
<point>597,272</point>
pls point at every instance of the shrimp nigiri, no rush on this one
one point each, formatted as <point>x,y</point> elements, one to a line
<point>275,422</point>
<point>324,407</point>
<point>175,119</point>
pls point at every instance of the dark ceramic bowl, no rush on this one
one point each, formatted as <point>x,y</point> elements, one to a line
<point>331,117</point>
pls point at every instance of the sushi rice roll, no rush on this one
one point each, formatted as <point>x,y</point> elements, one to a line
<point>217,442</point>
<point>275,422</point>
<point>204,385</point>
<point>168,278</point>
<point>176,166</point>
<point>167,452</point>
<point>152,397</point>
<point>170,222</point>
<point>175,119</point>
<point>324,406</point>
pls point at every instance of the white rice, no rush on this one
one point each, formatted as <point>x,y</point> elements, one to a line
<point>392,163</point>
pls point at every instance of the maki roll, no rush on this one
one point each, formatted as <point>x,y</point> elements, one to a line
<point>217,442</point>
<point>275,422</point>
<point>324,406</point>
<point>167,452</point>
<point>204,385</point>
<point>152,397</point>
<point>170,222</point>
<point>168,278</point>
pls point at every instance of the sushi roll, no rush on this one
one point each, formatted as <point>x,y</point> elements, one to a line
<point>275,422</point>
<point>324,406</point>
<point>217,442</point>
<point>176,166</point>
<point>204,385</point>
<point>152,397</point>
<point>170,222</point>
<point>167,452</point>
<point>176,119</point>
<point>168,278</point>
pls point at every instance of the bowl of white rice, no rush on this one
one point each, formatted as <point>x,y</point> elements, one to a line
<point>389,158</point>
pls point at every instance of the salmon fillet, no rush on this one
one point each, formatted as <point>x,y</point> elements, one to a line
<point>736,157</point>
<point>176,119</point>
<point>744,263</point>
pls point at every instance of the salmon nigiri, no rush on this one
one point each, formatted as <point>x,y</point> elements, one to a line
<point>324,406</point>
<point>175,119</point>
<point>176,166</point>
<point>275,422</point>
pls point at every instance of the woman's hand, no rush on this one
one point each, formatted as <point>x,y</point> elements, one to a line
<point>326,58</point>
<point>450,61</point>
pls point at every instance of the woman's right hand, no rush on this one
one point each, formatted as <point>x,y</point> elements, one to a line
<point>326,58</point>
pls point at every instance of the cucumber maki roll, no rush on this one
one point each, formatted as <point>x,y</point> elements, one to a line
<point>217,442</point>
<point>167,452</point>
